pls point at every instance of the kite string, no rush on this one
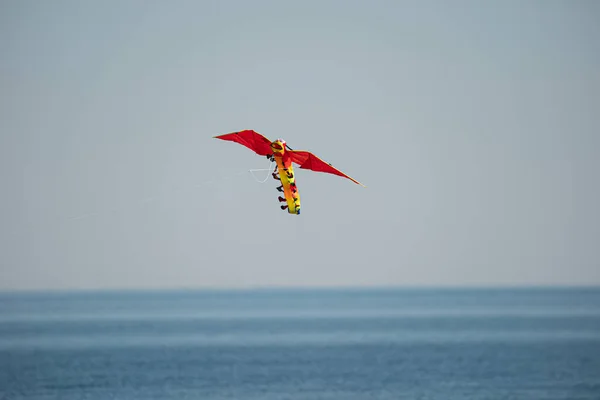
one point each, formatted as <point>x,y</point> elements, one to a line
<point>261,169</point>
<point>149,199</point>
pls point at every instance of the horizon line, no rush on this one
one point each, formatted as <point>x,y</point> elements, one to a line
<point>258,288</point>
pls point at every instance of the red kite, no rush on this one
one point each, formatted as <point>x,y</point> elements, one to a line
<point>284,156</point>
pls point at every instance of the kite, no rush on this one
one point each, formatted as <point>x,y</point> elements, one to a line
<point>279,152</point>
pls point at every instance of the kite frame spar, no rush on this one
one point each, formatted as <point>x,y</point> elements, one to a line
<point>284,157</point>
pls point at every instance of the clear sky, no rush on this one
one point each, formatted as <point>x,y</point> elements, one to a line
<point>474,124</point>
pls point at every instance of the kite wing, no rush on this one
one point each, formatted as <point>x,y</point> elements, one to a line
<point>307,160</point>
<point>251,139</point>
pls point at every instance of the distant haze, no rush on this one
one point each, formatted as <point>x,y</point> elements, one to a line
<point>474,124</point>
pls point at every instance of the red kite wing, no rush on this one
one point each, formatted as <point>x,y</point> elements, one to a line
<point>251,139</point>
<point>307,160</point>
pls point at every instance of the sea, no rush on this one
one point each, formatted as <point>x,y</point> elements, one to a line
<point>302,344</point>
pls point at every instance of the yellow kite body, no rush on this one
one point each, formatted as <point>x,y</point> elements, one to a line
<point>290,190</point>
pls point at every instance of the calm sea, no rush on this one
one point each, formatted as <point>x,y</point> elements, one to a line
<point>302,344</point>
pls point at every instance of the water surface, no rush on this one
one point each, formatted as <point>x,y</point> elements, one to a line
<point>302,344</point>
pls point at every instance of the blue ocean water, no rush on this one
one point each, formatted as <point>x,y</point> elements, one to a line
<point>302,344</point>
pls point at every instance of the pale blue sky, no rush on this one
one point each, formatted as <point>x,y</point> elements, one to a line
<point>474,125</point>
